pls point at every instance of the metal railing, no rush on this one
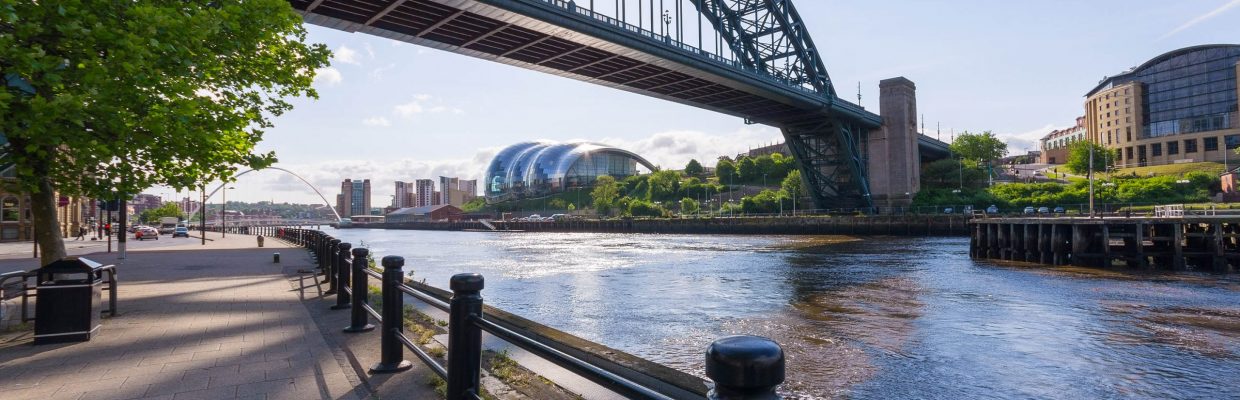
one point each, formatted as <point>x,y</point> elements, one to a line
<point>741,367</point>
<point>22,288</point>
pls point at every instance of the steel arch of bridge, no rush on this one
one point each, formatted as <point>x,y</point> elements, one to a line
<point>773,74</point>
<point>767,33</point>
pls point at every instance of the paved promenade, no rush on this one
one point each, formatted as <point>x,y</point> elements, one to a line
<point>199,322</point>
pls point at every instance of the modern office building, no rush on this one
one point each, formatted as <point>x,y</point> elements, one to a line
<point>1178,107</point>
<point>404,195</point>
<point>424,192</point>
<point>539,168</point>
<point>354,198</point>
<point>1054,146</point>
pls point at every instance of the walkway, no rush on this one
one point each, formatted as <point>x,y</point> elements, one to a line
<point>219,321</point>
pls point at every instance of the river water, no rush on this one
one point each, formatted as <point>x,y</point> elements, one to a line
<point>859,317</point>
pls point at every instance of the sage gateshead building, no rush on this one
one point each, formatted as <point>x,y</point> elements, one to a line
<point>1178,107</point>
<point>535,169</point>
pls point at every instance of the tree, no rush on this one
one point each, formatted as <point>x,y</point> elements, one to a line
<point>605,193</point>
<point>725,170</point>
<point>166,210</point>
<point>951,174</point>
<point>120,96</point>
<point>664,185</point>
<point>747,168</point>
<point>694,168</point>
<point>979,147</point>
<point>792,185</point>
<point>1078,157</point>
<point>689,206</point>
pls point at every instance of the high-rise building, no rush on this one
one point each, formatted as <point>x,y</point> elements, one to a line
<point>424,192</point>
<point>469,188</point>
<point>448,190</point>
<point>354,198</point>
<point>402,196</point>
<point>1178,107</point>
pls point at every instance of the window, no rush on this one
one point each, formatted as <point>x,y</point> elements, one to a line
<point>1156,149</point>
<point>1173,148</point>
<point>9,210</point>
<point>1210,143</point>
<point>1128,137</point>
<point>1128,151</point>
<point>1190,146</point>
<point>1232,141</point>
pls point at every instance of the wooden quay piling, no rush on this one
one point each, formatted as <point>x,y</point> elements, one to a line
<point>1200,243</point>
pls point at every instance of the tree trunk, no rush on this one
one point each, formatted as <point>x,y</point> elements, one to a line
<point>46,225</point>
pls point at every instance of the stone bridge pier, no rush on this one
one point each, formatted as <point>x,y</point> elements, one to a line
<point>893,159</point>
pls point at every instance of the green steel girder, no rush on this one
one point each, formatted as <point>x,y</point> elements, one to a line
<point>830,163</point>
<point>764,32</point>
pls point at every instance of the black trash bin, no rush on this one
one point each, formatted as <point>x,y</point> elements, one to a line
<point>67,306</point>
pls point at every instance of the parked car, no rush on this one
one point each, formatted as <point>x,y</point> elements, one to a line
<point>992,209</point>
<point>1030,210</point>
<point>181,231</point>
<point>1060,210</point>
<point>1044,210</point>
<point>145,233</point>
<point>948,210</point>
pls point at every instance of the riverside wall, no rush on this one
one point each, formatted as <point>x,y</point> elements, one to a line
<point>903,225</point>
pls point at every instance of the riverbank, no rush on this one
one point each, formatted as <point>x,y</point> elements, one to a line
<point>902,225</point>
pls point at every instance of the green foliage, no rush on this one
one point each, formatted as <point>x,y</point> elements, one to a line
<point>643,208</point>
<point>606,190</point>
<point>765,202</point>
<point>793,186</point>
<point>664,185</point>
<point>1154,190</point>
<point>181,95</point>
<point>725,170</point>
<point>694,168</point>
<point>557,203</point>
<point>131,94</point>
<point>689,206</point>
<point>1078,157</point>
<point>948,174</point>
<point>979,147</point>
<point>475,205</point>
<point>154,214</point>
<point>747,169</point>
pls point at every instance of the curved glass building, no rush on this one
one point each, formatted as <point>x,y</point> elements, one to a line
<point>1178,107</point>
<point>533,169</point>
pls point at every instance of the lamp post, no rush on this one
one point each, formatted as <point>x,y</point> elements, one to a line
<point>224,212</point>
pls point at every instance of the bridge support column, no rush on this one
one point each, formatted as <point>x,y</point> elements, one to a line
<point>892,156</point>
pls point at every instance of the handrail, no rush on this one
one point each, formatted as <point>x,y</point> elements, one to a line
<point>607,379</point>
<point>742,367</point>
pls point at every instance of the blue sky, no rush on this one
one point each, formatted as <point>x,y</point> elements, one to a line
<point>396,111</point>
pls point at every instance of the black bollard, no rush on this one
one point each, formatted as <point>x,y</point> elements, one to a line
<point>392,353</point>
<point>745,368</point>
<point>360,322</point>
<point>342,268</point>
<point>464,337</point>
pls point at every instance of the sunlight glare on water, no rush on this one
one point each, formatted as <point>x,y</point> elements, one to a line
<point>869,318</point>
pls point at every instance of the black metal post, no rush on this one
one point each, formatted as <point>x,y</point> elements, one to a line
<point>392,352</point>
<point>337,252</point>
<point>464,337</point>
<point>745,368</point>
<point>360,321</point>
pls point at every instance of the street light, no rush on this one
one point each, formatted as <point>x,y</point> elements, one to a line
<point>224,212</point>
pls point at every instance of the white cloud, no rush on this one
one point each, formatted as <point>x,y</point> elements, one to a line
<point>425,103</point>
<point>377,73</point>
<point>1021,142</point>
<point>370,50</point>
<point>1202,18</point>
<point>345,55</point>
<point>328,75</point>
<point>674,149</point>
<point>376,121</point>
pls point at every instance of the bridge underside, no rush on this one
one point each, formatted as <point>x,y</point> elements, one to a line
<point>825,134</point>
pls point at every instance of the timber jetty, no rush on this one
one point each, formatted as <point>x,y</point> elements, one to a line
<point>1201,243</point>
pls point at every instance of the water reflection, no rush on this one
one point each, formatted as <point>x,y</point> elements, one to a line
<point>872,318</point>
